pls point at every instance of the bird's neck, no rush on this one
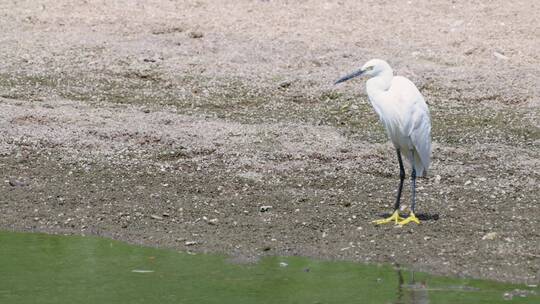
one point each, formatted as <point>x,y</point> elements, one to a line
<point>380,83</point>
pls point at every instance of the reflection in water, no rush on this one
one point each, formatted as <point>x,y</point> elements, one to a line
<point>413,292</point>
<point>58,269</point>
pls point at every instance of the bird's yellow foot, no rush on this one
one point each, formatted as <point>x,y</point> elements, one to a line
<point>393,218</point>
<point>410,218</point>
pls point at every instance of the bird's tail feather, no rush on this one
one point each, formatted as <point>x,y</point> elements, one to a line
<point>421,167</point>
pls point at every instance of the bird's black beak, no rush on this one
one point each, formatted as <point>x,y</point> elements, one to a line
<point>351,75</point>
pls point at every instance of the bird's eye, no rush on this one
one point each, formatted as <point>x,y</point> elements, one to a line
<point>369,68</point>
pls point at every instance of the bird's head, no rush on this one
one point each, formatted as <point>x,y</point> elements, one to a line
<point>372,68</point>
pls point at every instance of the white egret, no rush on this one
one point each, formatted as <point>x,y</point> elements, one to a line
<point>405,115</point>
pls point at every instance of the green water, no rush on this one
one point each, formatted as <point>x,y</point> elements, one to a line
<point>39,268</point>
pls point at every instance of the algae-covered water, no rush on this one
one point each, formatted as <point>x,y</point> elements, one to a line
<point>40,268</point>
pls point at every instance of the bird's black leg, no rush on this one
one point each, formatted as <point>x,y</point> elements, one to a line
<point>413,188</point>
<point>412,217</point>
<point>401,179</point>
<point>395,216</point>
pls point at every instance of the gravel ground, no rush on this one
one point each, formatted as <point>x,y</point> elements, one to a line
<point>172,123</point>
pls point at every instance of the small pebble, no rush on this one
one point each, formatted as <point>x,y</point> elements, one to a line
<point>265,208</point>
<point>490,236</point>
<point>17,183</point>
<point>285,84</point>
<point>500,56</point>
<point>196,35</point>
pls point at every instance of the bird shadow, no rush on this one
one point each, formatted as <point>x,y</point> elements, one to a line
<point>420,216</point>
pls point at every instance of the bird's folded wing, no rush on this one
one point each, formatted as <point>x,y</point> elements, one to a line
<point>420,133</point>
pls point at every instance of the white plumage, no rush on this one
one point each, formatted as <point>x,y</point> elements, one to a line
<point>405,116</point>
<point>403,112</point>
